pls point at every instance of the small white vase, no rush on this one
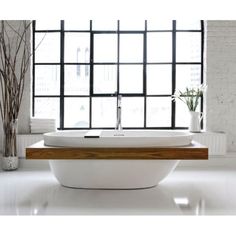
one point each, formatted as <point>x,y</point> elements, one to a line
<point>10,163</point>
<point>195,121</point>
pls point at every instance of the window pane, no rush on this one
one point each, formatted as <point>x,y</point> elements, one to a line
<point>188,47</point>
<point>105,48</point>
<point>48,25</point>
<point>188,76</point>
<point>159,24</point>
<point>47,108</point>
<point>132,25</point>
<point>188,24</point>
<point>47,47</point>
<point>77,47</point>
<point>77,79</point>
<point>159,78</point>
<point>158,111</point>
<point>105,24</point>
<point>105,79</point>
<point>131,79</point>
<point>77,24</point>
<point>182,114</point>
<point>77,112</point>
<point>103,112</point>
<point>159,47</point>
<point>131,48</point>
<point>47,80</point>
<point>132,114</point>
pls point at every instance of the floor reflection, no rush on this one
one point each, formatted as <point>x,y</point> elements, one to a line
<point>192,192</point>
<point>56,200</point>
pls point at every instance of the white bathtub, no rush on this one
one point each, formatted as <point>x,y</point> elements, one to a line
<point>114,174</point>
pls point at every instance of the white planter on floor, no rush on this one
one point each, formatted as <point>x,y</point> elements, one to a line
<point>10,163</point>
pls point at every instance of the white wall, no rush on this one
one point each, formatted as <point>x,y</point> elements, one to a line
<point>24,115</point>
<point>221,79</point>
<point>220,109</point>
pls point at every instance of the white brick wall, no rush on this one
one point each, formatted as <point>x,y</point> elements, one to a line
<point>221,79</point>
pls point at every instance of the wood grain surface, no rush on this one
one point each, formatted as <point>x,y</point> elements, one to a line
<point>194,151</point>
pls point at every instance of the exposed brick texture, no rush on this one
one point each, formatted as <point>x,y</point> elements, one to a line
<point>220,74</point>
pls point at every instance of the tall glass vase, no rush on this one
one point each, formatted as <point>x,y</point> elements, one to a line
<point>10,158</point>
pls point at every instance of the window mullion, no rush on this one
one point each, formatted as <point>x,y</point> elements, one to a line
<point>145,73</point>
<point>33,72</point>
<point>118,65</point>
<point>91,75</point>
<point>62,81</point>
<point>173,105</point>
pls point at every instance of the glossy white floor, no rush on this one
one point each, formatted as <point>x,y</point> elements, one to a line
<point>187,191</point>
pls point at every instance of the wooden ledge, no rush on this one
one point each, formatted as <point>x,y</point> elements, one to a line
<point>194,151</point>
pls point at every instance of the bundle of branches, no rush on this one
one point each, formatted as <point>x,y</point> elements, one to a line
<point>15,57</point>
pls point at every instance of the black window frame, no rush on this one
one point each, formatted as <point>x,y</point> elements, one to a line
<point>91,64</point>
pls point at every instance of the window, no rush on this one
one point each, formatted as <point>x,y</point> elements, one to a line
<point>80,67</point>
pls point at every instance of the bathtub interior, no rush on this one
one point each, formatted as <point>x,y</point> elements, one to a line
<point>124,133</point>
<point>115,138</point>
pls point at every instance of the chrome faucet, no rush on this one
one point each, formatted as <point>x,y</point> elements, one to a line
<point>118,119</point>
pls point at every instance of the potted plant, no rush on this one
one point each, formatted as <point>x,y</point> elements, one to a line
<point>191,97</point>
<point>15,57</point>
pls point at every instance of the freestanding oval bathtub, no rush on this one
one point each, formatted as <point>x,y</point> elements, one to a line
<point>114,174</point>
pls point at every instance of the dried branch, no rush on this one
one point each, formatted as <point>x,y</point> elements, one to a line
<point>14,62</point>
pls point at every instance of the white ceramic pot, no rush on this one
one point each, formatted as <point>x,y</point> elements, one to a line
<point>10,163</point>
<point>195,121</point>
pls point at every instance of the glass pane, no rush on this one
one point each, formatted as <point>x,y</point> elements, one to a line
<point>159,78</point>
<point>132,114</point>
<point>47,47</point>
<point>188,76</point>
<point>77,47</point>
<point>188,47</point>
<point>132,25</point>
<point>47,108</point>
<point>77,79</point>
<point>158,111</point>
<point>188,24</point>
<point>105,79</point>
<point>182,114</point>
<point>77,112</point>
<point>105,48</point>
<point>103,112</point>
<point>131,79</point>
<point>159,24</point>
<point>131,48</point>
<point>47,80</point>
<point>77,24</point>
<point>48,25</point>
<point>159,47</point>
<point>105,24</point>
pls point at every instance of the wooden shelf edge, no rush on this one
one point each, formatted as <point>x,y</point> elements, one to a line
<point>194,151</point>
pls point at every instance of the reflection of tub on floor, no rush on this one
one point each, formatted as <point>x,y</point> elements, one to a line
<point>67,201</point>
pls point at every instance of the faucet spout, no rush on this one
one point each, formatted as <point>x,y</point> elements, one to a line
<point>118,120</point>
